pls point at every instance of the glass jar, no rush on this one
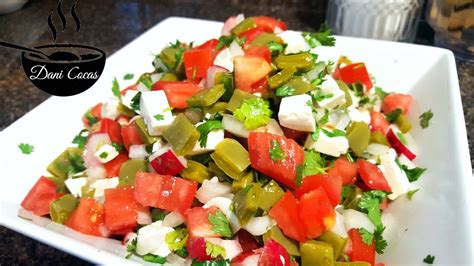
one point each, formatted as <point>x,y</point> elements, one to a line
<point>453,22</point>
<point>394,20</point>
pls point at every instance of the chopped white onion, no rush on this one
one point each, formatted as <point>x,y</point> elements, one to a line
<point>235,49</point>
<point>144,216</point>
<point>173,219</point>
<point>96,172</point>
<point>258,226</point>
<point>355,219</point>
<point>234,126</point>
<point>94,142</point>
<point>230,23</point>
<point>137,152</point>
<point>211,189</point>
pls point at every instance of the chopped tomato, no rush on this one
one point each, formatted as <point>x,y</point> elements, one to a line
<point>198,222</point>
<point>96,113</point>
<point>167,164</point>
<point>298,136</point>
<point>197,61</point>
<point>285,213</point>
<point>251,34</point>
<point>372,176</point>
<point>360,251</point>
<point>112,168</point>
<point>87,217</point>
<point>129,88</point>
<point>273,254</point>
<point>260,86</point>
<point>40,197</point>
<point>282,170</point>
<point>354,73</point>
<point>378,122</point>
<point>177,92</point>
<point>112,129</point>
<point>316,213</point>
<point>249,69</point>
<point>260,51</point>
<point>120,208</point>
<point>212,44</point>
<point>345,169</point>
<point>131,136</point>
<point>269,24</point>
<point>246,240</point>
<point>164,192</point>
<point>196,248</point>
<point>396,101</point>
<point>332,184</point>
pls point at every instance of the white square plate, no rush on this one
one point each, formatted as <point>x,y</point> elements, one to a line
<point>438,221</point>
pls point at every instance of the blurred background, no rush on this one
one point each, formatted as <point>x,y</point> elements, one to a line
<point>110,24</point>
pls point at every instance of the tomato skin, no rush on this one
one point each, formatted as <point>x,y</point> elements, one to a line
<point>378,122</point>
<point>87,217</point>
<point>360,251</point>
<point>197,249</point>
<point>112,129</point>
<point>164,192</point>
<point>40,196</point>
<point>285,213</point>
<point>197,61</point>
<point>96,112</point>
<point>356,72</point>
<point>198,222</point>
<point>397,100</point>
<point>268,24</point>
<point>131,136</point>
<point>345,169</point>
<point>120,208</point>
<point>316,213</point>
<point>167,164</point>
<point>249,69</point>
<point>246,240</point>
<point>112,168</point>
<point>372,176</point>
<point>260,51</point>
<point>260,86</point>
<point>272,254</point>
<point>332,185</point>
<point>211,44</point>
<point>283,171</point>
<point>177,92</point>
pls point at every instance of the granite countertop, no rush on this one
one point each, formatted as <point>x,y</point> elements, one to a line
<point>112,24</point>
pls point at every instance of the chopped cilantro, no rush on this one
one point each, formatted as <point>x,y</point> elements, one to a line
<point>370,203</point>
<point>358,88</point>
<point>314,163</point>
<point>80,139</point>
<point>26,148</point>
<point>334,133</point>
<point>429,259</point>
<point>412,174</point>
<point>367,237</point>
<point>182,252</point>
<point>322,38</point>
<point>284,91</point>
<point>380,93</point>
<point>118,147</point>
<point>154,259</point>
<point>135,102</point>
<point>393,115</point>
<point>157,214</point>
<point>214,251</point>
<point>411,193</point>
<point>325,118</point>
<point>315,134</point>
<point>219,223</point>
<point>275,48</point>
<point>276,153</point>
<point>159,117</point>
<point>205,128</point>
<point>380,242</point>
<point>224,41</point>
<point>425,119</point>
<point>254,112</point>
<point>103,155</point>
<point>128,76</point>
<point>319,96</point>
<point>116,89</point>
<point>90,118</point>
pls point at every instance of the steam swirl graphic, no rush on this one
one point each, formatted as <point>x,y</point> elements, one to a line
<point>62,17</point>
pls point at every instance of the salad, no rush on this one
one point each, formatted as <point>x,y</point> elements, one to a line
<point>243,150</point>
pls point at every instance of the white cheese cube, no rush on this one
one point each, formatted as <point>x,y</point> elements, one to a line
<point>74,185</point>
<point>338,98</point>
<point>152,239</point>
<point>234,126</point>
<point>213,138</point>
<point>359,115</point>
<point>102,184</point>
<point>334,146</point>
<point>109,109</point>
<point>106,153</point>
<point>153,104</point>
<point>137,152</point>
<point>295,113</point>
<point>225,60</point>
<point>127,98</point>
<point>396,177</point>
<point>295,42</point>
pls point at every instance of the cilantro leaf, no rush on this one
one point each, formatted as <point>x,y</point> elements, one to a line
<point>284,91</point>
<point>219,223</point>
<point>412,174</point>
<point>214,250</point>
<point>116,89</point>
<point>314,163</point>
<point>275,48</point>
<point>132,245</point>
<point>103,155</point>
<point>254,112</point>
<point>322,38</point>
<point>411,193</point>
<point>299,174</point>
<point>319,96</point>
<point>159,117</point>
<point>335,133</point>
<point>90,118</point>
<point>128,76</point>
<point>225,41</point>
<point>367,237</point>
<point>182,252</point>
<point>393,115</point>
<point>205,128</point>
<point>380,93</point>
<point>80,139</point>
<point>358,88</point>
<point>276,153</point>
<point>154,259</point>
<point>157,214</point>
<point>315,134</point>
<point>380,242</point>
<point>370,204</point>
<point>118,147</point>
<point>429,259</point>
<point>325,118</point>
<point>26,148</point>
<point>135,102</point>
<point>425,119</point>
